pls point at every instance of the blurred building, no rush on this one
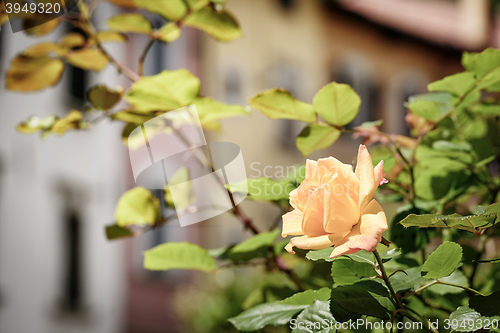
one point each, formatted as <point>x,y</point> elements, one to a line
<point>58,273</point>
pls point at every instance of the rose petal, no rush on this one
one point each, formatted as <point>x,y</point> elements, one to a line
<point>292,223</point>
<point>341,211</point>
<point>289,248</point>
<point>314,243</point>
<point>300,196</point>
<point>366,176</point>
<point>310,168</point>
<point>328,166</point>
<point>379,174</point>
<point>365,235</point>
<point>314,212</point>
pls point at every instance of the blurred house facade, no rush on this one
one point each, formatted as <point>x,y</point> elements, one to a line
<point>58,273</point>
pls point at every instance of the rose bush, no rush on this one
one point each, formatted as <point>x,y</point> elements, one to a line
<point>334,206</point>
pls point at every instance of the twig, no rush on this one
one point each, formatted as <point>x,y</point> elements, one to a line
<point>140,66</point>
<point>281,264</point>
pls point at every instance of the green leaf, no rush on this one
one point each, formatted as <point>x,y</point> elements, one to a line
<point>116,232</point>
<point>265,189</point>
<point>172,10</point>
<point>457,277</point>
<point>252,247</point>
<point>347,271</point>
<point>89,59</point>
<point>408,280</point>
<point>266,294</point>
<point>488,306</point>
<point>168,33</point>
<point>132,22</point>
<point>137,206</point>
<point>457,84</point>
<point>365,297</point>
<point>221,25</point>
<point>465,319</point>
<point>316,137</point>
<point>196,5</point>
<point>278,313</point>
<point>323,254</point>
<point>210,110</point>
<point>369,124</point>
<point>31,74</point>
<point>430,106</point>
<point>275,314</point>
<point>485,65</point>
<point>469,223</point>
<point>280,104</point>
<point>168,90</point>
<point>315,314</point>
<point>182,255</point>
<point>308,297</point>
<point>102,97</point>
<point>443,261</point>
<point>337,103</point>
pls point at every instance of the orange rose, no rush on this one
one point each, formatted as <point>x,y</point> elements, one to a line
<point>334,206</point>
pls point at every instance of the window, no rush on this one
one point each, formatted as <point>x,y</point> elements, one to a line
<point>78,78</point>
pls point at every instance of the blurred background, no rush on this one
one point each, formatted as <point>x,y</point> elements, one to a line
<point>58,273</point>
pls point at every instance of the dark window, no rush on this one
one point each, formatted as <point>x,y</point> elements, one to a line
<point>72,294</point>
<point>78,78</point>
<point>286,4</point>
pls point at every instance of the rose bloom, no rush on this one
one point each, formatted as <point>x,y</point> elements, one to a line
<point>334,206</point>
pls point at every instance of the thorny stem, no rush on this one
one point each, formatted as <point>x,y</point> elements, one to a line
<point>387,281</point>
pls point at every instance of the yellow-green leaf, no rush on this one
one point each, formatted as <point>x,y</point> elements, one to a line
<point>210,110</point>
<point>90,59</point>
<point>71,121</point>
<point>168,33</point>
<point>337,103</point>
<point>102,97</point>
<point>37,28</point>
<point>110,36</point>
<point>132,22</point>
<point>280,104</point>
<point>184,192</point>
<point>316,137</point>
<point>172,10</point>
<point>43,49</point>
<point>220,25</point>
<point>137,206</point>
<point>181,255</point>
<point>32,74</point>
<point>72,40</point>
<point>168,90</point>
<point>35,124</point>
